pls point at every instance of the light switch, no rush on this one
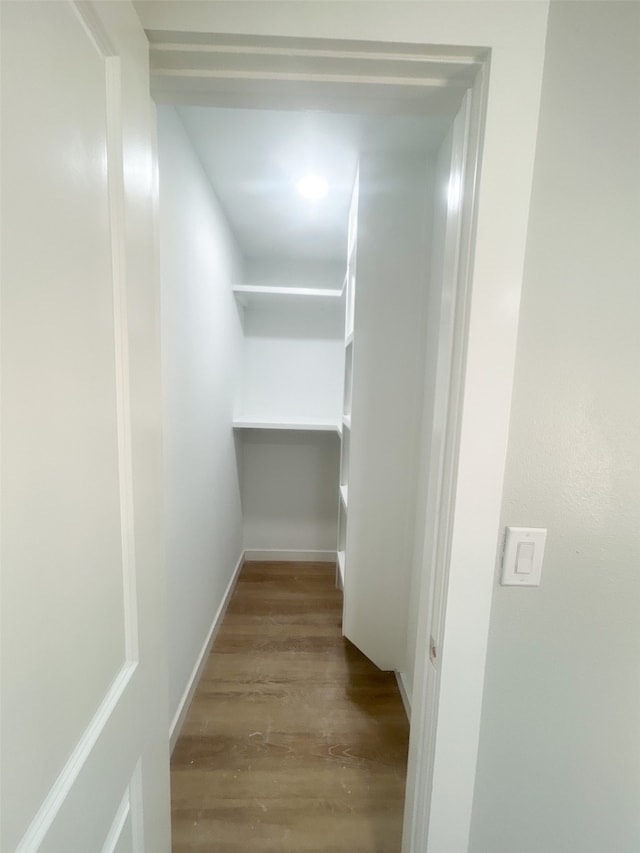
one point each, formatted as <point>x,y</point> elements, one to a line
<point>522,557</point>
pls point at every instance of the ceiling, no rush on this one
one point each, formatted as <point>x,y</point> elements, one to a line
<point>254,158</point>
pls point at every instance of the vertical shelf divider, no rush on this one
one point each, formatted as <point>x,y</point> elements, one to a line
<point>350,296</point>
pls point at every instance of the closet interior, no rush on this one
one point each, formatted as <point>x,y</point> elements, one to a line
<point>322,342</point>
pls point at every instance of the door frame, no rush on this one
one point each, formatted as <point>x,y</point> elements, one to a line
<point>210,69</point>
<point>437,534</point>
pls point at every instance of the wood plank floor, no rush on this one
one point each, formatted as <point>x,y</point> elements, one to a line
<point>295,742</point>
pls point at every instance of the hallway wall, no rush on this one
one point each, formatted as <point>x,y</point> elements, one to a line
<point>201,339</point>
<point>559,760</point>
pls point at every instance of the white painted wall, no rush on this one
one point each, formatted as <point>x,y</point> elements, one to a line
<point>290,490</point>
<point>559,762</point>
<point>202,338</point>
<point>292,361</point>
<point>292,272</point>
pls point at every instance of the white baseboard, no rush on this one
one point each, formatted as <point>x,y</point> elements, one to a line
<point>404,693</point>
<point>192,683</point>
<point>290,556</point>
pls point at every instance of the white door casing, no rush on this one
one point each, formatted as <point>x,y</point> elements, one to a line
<point>84,701</point>
<point>455,171</point>
<point>514,33</point>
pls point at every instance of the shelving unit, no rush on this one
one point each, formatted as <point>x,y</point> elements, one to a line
<point>288,408</point>
<point>385,370</point>
<point>312,426</point>
<point>292,359</point>
<point>345,444</point>
<point>255,294</point>
<point>348,382</point>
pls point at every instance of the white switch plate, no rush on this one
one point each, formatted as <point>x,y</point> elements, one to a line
<point>519,566</point>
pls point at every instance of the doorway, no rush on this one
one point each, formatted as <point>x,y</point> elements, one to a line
<point>301,430</point>
<point>445,377</point>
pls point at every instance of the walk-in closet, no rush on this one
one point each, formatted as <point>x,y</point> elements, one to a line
<point>299,349</point>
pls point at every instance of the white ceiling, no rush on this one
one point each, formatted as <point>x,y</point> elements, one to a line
<point>254,158</point>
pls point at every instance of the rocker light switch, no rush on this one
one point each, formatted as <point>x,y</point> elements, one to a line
<point>522,558</point>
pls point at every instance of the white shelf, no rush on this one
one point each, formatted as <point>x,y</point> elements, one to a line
<point>344,494</point>
<point>314,426</point>
<point>346,421</point>
<point>250,293</point>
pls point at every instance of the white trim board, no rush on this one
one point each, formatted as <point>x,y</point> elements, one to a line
<point>404,693</point>
<point>290,556</point>
<point>192,683</point>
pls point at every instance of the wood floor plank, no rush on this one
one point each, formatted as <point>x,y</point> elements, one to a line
<point>295,742</point>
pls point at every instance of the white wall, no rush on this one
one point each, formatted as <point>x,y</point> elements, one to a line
<point>559,762</point>
<point>292,272</point>
<point>292,362</point>
<point>201,352</point>
<point>290,490</point>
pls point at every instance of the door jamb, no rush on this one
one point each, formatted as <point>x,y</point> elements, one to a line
<point>438,530</point>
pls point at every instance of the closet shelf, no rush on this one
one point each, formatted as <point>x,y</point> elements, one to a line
<point>253,294</point>
<point>313,426</point>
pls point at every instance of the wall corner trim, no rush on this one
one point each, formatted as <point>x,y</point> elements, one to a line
<point>401,678</point>
<point>290,555</point>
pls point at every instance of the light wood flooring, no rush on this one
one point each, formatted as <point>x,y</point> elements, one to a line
<point>295,742</point>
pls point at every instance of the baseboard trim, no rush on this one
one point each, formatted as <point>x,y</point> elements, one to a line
<point>190,689</point>
<point>290,556</point>
<point>404,693</point>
